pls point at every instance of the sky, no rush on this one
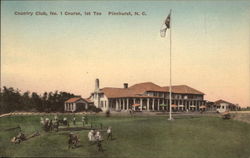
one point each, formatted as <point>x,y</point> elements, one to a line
<point>210,46</point>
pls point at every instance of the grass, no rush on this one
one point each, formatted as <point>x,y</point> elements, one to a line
<point>135,137</point>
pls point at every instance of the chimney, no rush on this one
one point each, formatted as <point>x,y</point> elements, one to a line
<point>97,84</point>
<point>125,85</point>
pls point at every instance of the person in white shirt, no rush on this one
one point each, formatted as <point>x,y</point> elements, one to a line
<point>91,136</point>
<point>109,132</point>
<point>42,120</point>
<point>98,136</point>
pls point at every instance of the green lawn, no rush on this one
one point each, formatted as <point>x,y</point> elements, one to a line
<point>135,137</point>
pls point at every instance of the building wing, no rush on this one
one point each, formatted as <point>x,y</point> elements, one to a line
<point>183,89</point>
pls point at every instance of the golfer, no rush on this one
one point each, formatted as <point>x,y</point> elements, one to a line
<point>109,132</point>
<point>83,121</point>
<point>74,120</point>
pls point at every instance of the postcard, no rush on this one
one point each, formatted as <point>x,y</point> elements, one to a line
<point>125,79</point>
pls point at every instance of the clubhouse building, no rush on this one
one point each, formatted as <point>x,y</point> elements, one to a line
<point>146,96</point>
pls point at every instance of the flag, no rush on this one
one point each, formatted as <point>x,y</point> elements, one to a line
<point>166,25</point>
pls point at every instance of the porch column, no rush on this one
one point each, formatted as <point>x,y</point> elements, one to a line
<point>163,102</point>
<point>74,106</point>
<point>158,105</point>
<point>141,103</point>
<point>196,106</point>
<point>123,104</point>
<point>120,104</point>
<point>147,104</point>
<point>116,105</point>
<point>153,104</point>
<point>108,104</point>
<point>134,103</point>
<point>127,103</point>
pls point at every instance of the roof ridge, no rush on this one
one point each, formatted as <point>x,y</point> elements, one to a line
<point>221,100</point>
<point>177,85</point>
<point>144,83</point>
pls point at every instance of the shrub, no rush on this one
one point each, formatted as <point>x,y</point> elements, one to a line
<point>94,109</point>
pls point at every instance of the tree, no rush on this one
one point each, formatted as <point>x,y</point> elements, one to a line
<point>36,101</point>
<point>10,100</point>
<point>13,100</point>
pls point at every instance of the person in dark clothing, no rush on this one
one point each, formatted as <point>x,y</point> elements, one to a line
<point>56,125</point>
<point>50,125</point>
<point>73,141</point>
<point>99,145</point>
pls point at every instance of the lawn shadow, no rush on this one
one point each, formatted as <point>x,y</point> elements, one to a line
<point>11,129</point>
<point>78,146</point>
<point>74,129</point>
<point>186,117</point>
<point>113,139</point>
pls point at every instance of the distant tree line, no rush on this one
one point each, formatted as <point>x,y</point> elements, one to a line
<point>13,100</point>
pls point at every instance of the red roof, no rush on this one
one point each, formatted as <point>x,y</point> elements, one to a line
<point>183,89</point>
<point>138,90</point>
<point>72,100</point>
<point>75,99</point>
<point>147,86</point>
<point>88,100</point>
<point>119,92</point>
<point>222,101</point>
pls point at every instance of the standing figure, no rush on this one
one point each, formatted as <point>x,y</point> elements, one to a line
<point>98,136</point>
<point>74,120</point>
<point>99,140</point>
<point>109,132</point>
<point>55,117</point>
<point>65,122</point>
<point>42,120</point>
<point>46,125</point>
<point>83,121</point>
<point>50,125</point>
<point>99,145</point>
<point>91,136</point>
<point>86,119</point>
<point>56,125</point>
<point>65,119</point>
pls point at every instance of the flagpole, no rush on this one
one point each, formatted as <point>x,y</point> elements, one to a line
<point>170,69</point>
